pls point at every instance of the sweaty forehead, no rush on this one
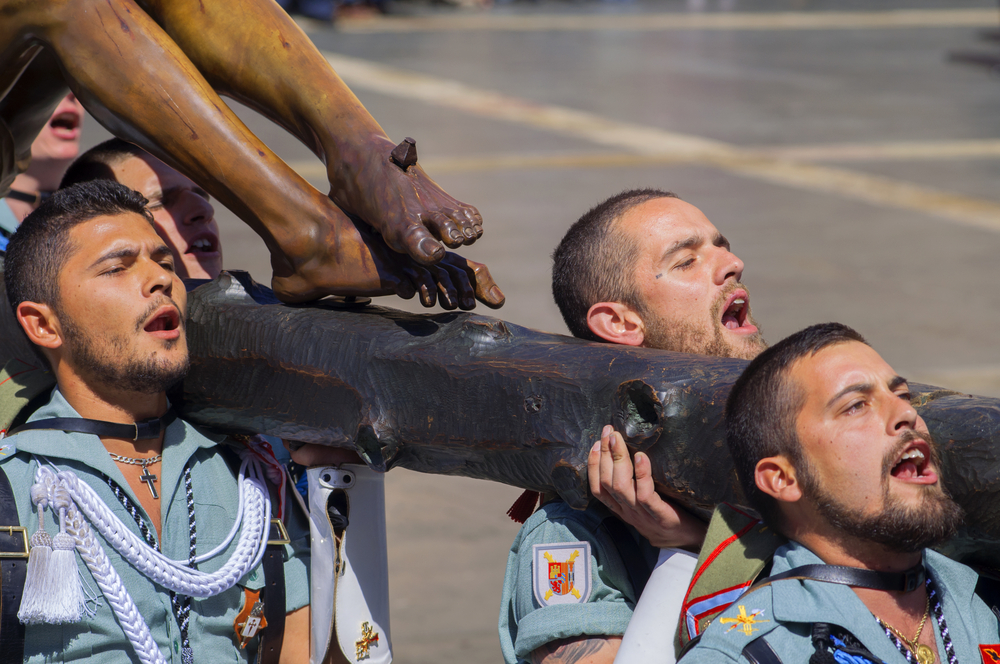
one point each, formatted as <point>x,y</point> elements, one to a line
<point>823,375</point>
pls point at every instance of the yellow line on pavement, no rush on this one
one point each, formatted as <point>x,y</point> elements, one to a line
<point>859,152</point>
<point>658,22</point>
<point>655,144</point>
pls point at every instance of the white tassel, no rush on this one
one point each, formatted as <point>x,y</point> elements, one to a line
<point>66,605</point>
<point>38,580</point>
<point>52,590</point>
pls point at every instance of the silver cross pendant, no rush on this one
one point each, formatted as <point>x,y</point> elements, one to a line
<point>149,478</point>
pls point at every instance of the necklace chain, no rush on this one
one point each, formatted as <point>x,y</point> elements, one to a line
<point>920,652</point>
<point>928,654</point>
<point>136,462</point>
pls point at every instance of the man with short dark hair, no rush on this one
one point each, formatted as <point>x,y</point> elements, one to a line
<point>124,481</point>
<point>829,449</point>
<point>642,268</point>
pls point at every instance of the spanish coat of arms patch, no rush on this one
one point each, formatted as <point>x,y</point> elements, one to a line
<point>561,573</point>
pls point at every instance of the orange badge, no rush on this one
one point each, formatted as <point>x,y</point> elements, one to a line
<point>251,619</point>
<point>990,653</point>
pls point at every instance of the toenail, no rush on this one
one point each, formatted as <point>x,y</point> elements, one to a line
<point>477,229</point>
<point>470,233</point>
<point>430,247</point>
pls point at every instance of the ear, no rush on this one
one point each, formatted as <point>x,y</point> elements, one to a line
<point>775,476</point>
<point>41,325</point>
<point>617,323</point>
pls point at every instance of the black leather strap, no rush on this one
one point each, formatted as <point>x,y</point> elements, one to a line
<point>143,430</point>
<point>13,569</point>
<point>35,198</point>
<point>759,651</point>
<point>906,581</point>
<point>635,564</point>
<point>272,637</point>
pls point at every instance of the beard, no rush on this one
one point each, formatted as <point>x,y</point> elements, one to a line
<point>898,527</point>
<point>114,363</point>
<point>700,339</point>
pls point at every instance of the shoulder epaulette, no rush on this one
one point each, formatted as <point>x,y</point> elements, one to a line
<point>738,547</point>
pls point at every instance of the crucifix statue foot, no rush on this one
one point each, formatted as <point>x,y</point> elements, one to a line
<point>151,71</point>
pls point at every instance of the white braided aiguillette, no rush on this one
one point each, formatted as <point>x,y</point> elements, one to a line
<point>172,574</point>
<point>66,491</point>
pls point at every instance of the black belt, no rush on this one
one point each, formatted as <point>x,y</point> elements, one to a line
<point>905,582</point>
<point>144,430</point>
<point>269,650</point>
<point>13,570</point>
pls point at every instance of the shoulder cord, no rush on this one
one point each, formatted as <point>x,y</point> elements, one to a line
<point>181,604</point>
<point>64,491</point>
<point>949,647</point>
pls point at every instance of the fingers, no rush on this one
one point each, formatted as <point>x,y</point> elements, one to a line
<point>645,492</point>
<point>323,455</point>
<point>599,468</point>
<point>594,469</point>
<point>622,483</point>
<point>665,513</point>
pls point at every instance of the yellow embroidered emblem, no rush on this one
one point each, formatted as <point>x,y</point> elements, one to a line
<point>744,622</point>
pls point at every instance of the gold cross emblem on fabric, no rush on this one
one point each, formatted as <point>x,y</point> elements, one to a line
<point>369,637</point>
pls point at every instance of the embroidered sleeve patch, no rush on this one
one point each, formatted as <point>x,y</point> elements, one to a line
<point>990,653</point>
<point>744,622</point>
<point>560,573</point>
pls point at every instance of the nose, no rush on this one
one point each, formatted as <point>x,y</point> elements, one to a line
<point>158,279</point>
<point>728,266</point>
<point>902,415</point>
<point>196,210</point>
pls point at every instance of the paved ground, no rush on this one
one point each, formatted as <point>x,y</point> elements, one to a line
<point>853,167</point>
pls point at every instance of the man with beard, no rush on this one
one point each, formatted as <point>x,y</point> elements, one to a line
<point>829,449</point>
<point>642,268</point>
<point>94,289</point>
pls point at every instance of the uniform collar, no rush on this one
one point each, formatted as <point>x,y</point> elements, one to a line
<point>179,444</point>
<point>816,601</point>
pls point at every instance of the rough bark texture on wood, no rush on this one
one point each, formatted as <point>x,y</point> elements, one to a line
<point>463,394</point>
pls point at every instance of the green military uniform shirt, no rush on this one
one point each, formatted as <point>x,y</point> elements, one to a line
<point>214,470</point>
<point>526,622</point>
<point>783,614</point>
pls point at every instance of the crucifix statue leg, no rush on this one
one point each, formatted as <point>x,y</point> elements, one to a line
<point>139,83</point>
